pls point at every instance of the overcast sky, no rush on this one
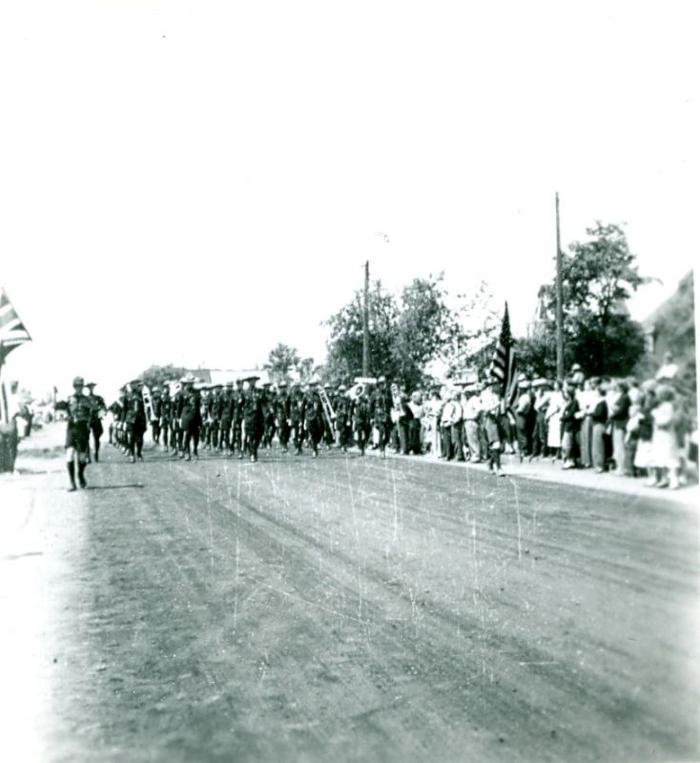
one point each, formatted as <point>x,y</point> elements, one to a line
<point>192,182</point>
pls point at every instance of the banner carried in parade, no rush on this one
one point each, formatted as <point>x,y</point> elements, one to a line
<point>12,330</point>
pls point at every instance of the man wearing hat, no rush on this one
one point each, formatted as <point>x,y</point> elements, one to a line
<point>164,414</point>
<point>540,386</point>
<point>297,402</point>
<point>282,412</point>
<point>135,421</point>
<point>522,409</point>
<point>253,419</point>
<point>381,413</point>
<point>237,418</point>
<point>314,417</point>
<point>269,399</point>
<point>79,410</point>
<point>472,414</point>
<point>190,415</point>
<point>343,420</point>
<point>99,408</point>
<point>493,407</point>
<point>226,410</point>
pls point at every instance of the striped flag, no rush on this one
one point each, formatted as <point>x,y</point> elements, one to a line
<point>501,368</point>
<point>12,330</point>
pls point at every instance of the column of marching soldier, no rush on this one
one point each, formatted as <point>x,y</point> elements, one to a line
<point>239,418</point>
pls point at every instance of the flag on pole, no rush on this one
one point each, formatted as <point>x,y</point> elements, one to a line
<point>12,330</point>
<point>501,368</point>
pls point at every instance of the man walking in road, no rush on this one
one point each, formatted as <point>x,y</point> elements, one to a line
<point>79,410</point>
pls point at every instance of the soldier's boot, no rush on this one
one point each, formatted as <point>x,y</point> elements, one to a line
<point>81,474</point>
<point>97,454</point>
<point>71,476</point>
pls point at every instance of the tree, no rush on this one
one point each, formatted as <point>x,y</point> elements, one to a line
<point>345,343</point>
<point>598,277</point>
<point>155,376</point>
<point>281,360</point>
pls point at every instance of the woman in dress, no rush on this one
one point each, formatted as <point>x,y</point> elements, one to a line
<point>556,404</point>
<point>666,453</point>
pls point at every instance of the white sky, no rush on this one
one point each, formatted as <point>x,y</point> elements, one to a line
<point>192,182</point>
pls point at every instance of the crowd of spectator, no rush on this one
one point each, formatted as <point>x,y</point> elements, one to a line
<point>623,426</point>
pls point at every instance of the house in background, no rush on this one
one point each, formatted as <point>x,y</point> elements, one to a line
<point>671,327</point>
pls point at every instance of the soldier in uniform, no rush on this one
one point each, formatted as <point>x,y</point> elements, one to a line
<point>176,434</point>
<point>164,414</point>
<point>98,410</point>
<point>237,431</point>
<point>492,406</point>
<point>381,413</point>
<point>135,422</point>
<point>215,404</point>
<point>313,417</point>
<point>190,420</point>
<point>283,416</point>
<point>362,419</point>
<point>328,435</point>
<point>121,423</point>
<point>253,419</point>
<point>297,402</point>
<point>155,416</point>
<point>79,410</point>
<point>226,410</point>
<point>343,418</point>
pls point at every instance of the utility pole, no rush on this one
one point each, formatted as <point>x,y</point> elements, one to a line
<point>560,308</point>
<point>365,325</point>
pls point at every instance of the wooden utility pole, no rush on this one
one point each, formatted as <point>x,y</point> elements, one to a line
<point>560,307</point>
<point>365,325</point>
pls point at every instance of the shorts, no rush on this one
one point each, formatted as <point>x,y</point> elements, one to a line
<point>78,436</point>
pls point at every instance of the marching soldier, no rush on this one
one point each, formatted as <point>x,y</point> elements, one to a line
<point>283,416</point>
<point>79,410</point>
<point>296,417</point>
<point>237,432</point>
<point>164,415</point>
<point>135,422</point>
<point>362,419</point>
<point>190,420</point>
<point>155,413</point>
<point>227,405</point>
<point>492,406</point>
<point>215,404</point>
<point>176,433</point>
<point>98,410</point>
<point>343,418</point>
<point>313,417</point>
<point>253,419</point>
<point>381,413</point>
<point>269,398</point>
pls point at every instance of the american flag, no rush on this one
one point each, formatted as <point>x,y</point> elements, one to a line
<point>501,368</point>
<point>12,330</point>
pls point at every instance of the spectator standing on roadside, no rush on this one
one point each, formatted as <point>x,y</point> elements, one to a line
<point>618,416</point>
<point>666,453</point>
<point>541,402</point>
<point>599,421</point>
<point>554,409</point>
<point>472,413</point>
<point>569,425</point>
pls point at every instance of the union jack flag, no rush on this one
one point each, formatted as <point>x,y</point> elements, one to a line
<point>12,330</point>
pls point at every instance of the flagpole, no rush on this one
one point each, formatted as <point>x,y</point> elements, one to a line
<point>365,324</point>
<point>560,308</point>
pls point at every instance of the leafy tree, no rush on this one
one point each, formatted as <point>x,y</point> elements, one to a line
<point>281,360</point>
<point>598,276</point>
<point>155,376</point>
<point>344,360</point>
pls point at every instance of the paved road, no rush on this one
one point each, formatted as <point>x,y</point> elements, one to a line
<point>346,609</point>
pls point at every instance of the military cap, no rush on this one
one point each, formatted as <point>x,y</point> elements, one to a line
<point>91,384</point>
<point>229,384</point>
<point>78,381</point>
<point>327,386</point>
<point>576,367</point>
<point>282,385</point>
<point>381,379</point>
<point>342,388</point>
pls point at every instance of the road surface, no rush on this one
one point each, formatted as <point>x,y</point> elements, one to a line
<point>342,609</point>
